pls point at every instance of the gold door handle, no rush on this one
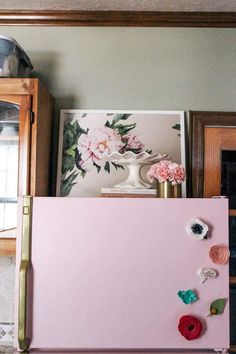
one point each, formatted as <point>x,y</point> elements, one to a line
<point>25,264</point>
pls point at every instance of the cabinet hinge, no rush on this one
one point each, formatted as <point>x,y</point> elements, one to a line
<point>31,117</point>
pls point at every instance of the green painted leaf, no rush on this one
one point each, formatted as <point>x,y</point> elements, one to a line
<point>176,126</point>
<point>135,151</point>
<point>70,152</point>
<point>68,183</point>
<point>79,130</point>
<point>107,167</point>
<point>117,166</point>
<point>124,129</point>
<point>149,151</point>
<point>107,124</point>
<point>68,163</point>
<point>97,167</point>
<point>120,116</point>
<point>70,135</point>
<point>66,189</point>
<point>217,306</point>
<point>82,173</point>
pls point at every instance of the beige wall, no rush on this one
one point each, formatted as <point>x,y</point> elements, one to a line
<point>134,68</point>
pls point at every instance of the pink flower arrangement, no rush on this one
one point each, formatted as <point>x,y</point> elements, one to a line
<point>166,170</point>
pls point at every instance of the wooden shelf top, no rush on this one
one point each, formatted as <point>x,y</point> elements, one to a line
<point>7,247</point>
<point>9,138</point>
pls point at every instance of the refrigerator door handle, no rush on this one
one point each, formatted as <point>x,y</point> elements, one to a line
<point>25,263</point>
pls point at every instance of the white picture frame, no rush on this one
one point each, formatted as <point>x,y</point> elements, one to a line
<point>149,125</point>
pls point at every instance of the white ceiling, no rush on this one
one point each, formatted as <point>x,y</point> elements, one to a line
<point>133,5</point>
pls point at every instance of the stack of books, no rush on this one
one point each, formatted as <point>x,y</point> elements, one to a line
<point>128,193</point>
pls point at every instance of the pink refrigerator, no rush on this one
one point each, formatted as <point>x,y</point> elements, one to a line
<point>122,274</point>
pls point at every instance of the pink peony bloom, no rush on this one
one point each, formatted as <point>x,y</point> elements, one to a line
<point>98,141</point>
<point>132,142</point>
<point>166,170</point>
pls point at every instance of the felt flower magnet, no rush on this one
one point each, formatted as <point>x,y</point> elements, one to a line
<point>190,327</point>
<point>187,296</point>
<point>219,254</point>
<point>206,273</point>
<point>198,229</point>
<point>217,307</point>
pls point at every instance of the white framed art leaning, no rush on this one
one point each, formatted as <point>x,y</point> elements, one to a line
<point>88,140</point>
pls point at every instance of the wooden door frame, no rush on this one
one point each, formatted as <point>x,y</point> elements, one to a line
<point>217,140</point>
<point>198,120</point>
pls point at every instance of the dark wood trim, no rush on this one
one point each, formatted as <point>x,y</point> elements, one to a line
<point>232,212</point>
<point>117,18</point>
<point>197,123</point>
<point>232,280</point>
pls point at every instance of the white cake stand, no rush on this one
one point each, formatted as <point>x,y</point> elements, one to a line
<point>134,163</point>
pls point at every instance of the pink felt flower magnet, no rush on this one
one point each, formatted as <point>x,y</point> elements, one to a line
<point>219,254</point>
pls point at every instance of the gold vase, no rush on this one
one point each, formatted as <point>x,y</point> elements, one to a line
<point>167,190</point>
<point>177,191</point>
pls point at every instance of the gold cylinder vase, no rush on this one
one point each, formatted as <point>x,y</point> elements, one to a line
<point>167,190</point>
<point>177,191</point>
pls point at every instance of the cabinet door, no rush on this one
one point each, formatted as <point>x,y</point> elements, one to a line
<point>15,139</point>
<point>111,284</point>
<point>220,163</point>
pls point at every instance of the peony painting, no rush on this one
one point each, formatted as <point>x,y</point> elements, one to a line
<point>87,136</point>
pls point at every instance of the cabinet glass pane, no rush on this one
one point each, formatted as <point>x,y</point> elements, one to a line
<point>9,136</point>
<point>7,283</point>
<point>228,176</point>
<point>232,315</point>
<point>232,245</point>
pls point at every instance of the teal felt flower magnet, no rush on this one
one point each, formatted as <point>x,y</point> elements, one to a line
<point>187,296</point>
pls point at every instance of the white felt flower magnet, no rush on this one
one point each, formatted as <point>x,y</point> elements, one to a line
<point>198,229</point>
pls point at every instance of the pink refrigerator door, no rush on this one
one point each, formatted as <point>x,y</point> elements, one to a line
<point>106,273</point>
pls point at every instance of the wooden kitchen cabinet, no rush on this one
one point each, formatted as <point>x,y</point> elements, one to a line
<point>26,111</point>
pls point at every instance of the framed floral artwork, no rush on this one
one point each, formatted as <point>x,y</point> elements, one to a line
<point>86,136</point>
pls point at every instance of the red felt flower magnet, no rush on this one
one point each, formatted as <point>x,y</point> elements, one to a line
<point>190,327</point>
